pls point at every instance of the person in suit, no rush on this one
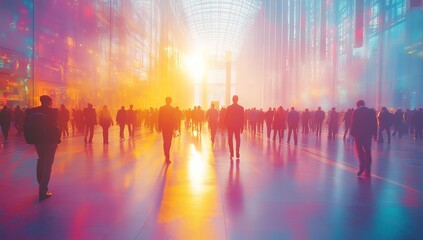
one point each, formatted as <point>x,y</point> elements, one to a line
<point>293,120</point>
<point>121,121</point>
<point>105,120</point>
<point>235,125</point>
<point>47,146</point>
<point>363,127</point>
<point>90,120</point>
<point>131,119</point>
<point>268,118</point>
<point>167,121</point>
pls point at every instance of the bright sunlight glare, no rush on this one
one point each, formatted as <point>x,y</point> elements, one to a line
<point>194,66</point>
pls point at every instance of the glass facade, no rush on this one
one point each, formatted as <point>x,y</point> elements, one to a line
<point>295,52</point>
<point>331,53</point>
<point>79,51</point>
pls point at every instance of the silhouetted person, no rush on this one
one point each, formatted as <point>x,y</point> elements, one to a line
<point>305,120</point>
<point>417,122</point>
<point>279,125</point>
<point>347,121</point>
<point>222,120</point>
<point>253,118</point>
<point>5,119</point>
<point>398,122</point>
<point>212,117</point>
<point>363,127</point>
<point>19,116</point>
<point>268,118</point>
<point>45,138</point>
<point>385,119</point>
<point>167,121</point>
<point>293,120</point>
<point>319,117</point>
<point>131,118</point>
<point>121,121</point>
<point>332,123</point>
<point>235,125</point>
<point>63,120</point>
<point>179,116</point>
<point>105,120</point>
<point>90,120</point>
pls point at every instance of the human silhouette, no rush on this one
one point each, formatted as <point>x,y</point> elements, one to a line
<point>363,127</point>
<point>319,117</point>
<point>333,123</point>
<point>90,120</point>
<point>121,121</point>
<point>293,120</point>
<point>385,120</point>
<point>235,125</point>
<point>5,120</point>
<point>279,125</point>
<point>63,120</point>
<point>212,117</point>
<point>167,121</point>
<point>131,119</point>
<point>105,120</point>
<point>45,142</point>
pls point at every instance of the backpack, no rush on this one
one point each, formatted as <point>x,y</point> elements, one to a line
<point>35,127</point>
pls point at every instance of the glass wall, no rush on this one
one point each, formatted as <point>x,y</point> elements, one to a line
<point>331,53</point>
<point>80,51</point>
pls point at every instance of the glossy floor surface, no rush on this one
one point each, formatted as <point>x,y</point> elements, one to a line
<point>275,191</point>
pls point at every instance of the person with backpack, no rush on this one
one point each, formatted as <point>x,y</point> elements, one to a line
<point>41,129</point>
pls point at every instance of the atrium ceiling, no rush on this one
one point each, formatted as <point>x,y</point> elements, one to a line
<point>219,26</point>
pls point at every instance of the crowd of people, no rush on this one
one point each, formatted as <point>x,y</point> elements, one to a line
<point>361,124</point>
<point>273,121</point>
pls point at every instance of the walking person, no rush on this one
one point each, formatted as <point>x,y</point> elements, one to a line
<point>121,121</point>
<point>131,119</point>
<point>63,120</point>
<point>235,125</point>
<point>363,127</point>
<point>347,121</point>
<point>5,120</point>
<point>332,123</point>
<point>268,118</point>
<point>385,120</point>
<point>279,125</point>
<point>105,120</point>
<point>41,129</point>
<point>293,121</point>
<point>319,117</point>
<point>167,121</point>
<point>90,120</point>
<point>212,117</point>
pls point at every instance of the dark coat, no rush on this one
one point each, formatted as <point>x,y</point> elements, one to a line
<point>364,123</point>
<point>167,118</point>
<point>52,134</point>
<point>235,117</point>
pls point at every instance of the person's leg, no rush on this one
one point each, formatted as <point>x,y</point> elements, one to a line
<point>359,149</point>
<point>230,141</point>
<point>167,141</point>
<point>238,142</point>
<point>91,133</point>
<point>46,161</point>
<point>295,137</point>
<point>367,155</point>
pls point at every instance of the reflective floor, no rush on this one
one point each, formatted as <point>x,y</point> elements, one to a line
<point>275,191</point>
